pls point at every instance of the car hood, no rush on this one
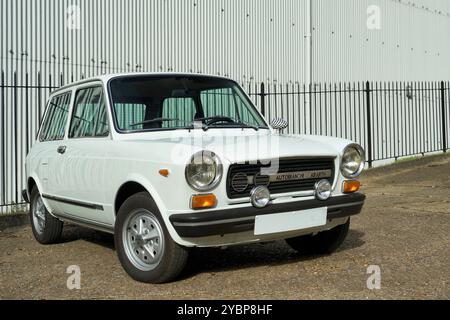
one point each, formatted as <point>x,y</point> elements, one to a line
<point>242,146</point>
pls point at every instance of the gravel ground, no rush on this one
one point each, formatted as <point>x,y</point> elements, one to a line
<point>404,229</point>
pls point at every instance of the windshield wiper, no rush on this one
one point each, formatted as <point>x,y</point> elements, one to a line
<point>249,125</point>
<point>231,121</point>
<point>156,120</point>
<point>214,119</point>
<point>209,121</point>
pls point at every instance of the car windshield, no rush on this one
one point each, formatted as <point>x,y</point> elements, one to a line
<point>152,103</point>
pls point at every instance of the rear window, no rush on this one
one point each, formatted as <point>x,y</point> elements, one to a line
<point>54,125</point>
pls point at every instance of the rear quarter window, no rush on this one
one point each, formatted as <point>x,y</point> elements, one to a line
<point>54,125</point>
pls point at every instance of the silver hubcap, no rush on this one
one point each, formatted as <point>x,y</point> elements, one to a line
<point>143,240</point>
<point>39,215</point>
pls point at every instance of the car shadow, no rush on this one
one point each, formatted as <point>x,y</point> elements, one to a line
<point>277,253</point>
<point>216,260</point>
<point>73,233</point>
<point>354,240</point>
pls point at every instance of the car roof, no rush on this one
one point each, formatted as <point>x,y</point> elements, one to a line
<point>106,77</point>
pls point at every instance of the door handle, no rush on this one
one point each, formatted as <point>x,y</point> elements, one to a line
<point>61,149</point>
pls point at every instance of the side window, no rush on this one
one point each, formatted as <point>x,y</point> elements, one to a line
<point>89,118</point>
<point>55,122</point>
<point>182,109</point>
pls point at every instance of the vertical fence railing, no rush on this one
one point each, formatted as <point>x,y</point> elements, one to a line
<point>444,117</point>
<point>389,119</point>
<point>368,92</point>
<point>21,108</point>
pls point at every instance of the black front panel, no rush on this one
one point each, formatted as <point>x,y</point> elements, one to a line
<point>237,172</point>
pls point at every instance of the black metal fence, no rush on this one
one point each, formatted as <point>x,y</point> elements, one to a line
<point>389,119</point>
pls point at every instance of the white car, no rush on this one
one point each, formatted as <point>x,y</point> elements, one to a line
<point>169,162</point>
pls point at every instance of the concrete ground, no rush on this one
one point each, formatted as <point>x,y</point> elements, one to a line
<point>404,229</point>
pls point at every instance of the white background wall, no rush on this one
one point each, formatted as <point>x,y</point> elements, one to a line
<point>244,39</point>
<point>259,40</point>
<point>412,45</point>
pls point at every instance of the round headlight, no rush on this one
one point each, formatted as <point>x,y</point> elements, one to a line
<point>323,190</point>
<point>260,197</point>
<point>353,161</point>
<point>204,171</point>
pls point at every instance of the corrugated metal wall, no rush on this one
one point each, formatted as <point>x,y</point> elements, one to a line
<point>244,39</point>
<point>411,45</point>
<point>260,40</point>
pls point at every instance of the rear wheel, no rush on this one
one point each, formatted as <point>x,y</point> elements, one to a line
<point>325,242</point>
<point>144,246</point>
<point>46,228</point>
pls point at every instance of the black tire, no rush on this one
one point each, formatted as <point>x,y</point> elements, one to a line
<point>51,230</point>
<point>173,257</point>
<point>325,242</point>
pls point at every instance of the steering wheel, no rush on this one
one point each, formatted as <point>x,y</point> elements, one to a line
<point>220,119</point>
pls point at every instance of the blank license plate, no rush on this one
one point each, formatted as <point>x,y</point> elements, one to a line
<point>290,221</point>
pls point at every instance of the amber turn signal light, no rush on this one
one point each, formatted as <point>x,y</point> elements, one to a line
<point>351,186</point>
<point>164,172</point>
<point>204,201</point>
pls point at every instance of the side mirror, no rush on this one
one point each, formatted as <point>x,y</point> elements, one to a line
<point>279,124</point>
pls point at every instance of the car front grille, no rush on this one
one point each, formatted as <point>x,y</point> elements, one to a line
<point>242,178</point>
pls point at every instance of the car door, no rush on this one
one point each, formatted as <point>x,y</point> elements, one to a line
<point>45,153</point>
<point>81,176</point>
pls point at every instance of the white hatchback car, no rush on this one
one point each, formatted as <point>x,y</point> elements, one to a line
<point>168,162</point>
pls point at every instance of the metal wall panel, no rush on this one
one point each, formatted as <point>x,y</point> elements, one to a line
<point>244,39</point>
<point>248,40</point>
<point>412,44</point>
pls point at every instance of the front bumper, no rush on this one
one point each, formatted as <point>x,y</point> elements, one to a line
<point>229,221</point>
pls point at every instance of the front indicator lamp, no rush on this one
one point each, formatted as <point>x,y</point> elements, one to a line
<point>204,201</point>
<point>351,186</point>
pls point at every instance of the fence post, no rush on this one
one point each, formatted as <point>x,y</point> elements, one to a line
<point>369,125</point>
<point>16,130</point>
<point>263,99</point>
<point>3,138</point>
<point>444,118</point>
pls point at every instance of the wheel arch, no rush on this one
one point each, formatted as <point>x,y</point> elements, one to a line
<point>31,183</point>
<point>137,184</point>
<point>125,191</point>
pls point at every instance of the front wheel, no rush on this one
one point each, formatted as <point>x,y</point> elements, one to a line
<point>325,242</point>
<point>143,243</point>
